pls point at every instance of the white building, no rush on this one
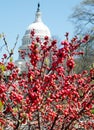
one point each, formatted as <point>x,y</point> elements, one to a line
<point>41,30</point>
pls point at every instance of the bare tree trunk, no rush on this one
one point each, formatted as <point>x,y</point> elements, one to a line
<point>39,121</point>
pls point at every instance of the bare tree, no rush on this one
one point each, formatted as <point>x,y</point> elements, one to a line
<point>83,19</point>
<point>83,16</point>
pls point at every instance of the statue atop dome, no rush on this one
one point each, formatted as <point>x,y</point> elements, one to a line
<point>38,9</point>
<point>38,14</point>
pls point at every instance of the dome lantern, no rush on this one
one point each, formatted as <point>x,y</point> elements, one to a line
<point>38,14</point>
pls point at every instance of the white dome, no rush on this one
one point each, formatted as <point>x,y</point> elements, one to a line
<point>40,29</point>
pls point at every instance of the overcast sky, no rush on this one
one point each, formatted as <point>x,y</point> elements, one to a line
<point>16,15</point>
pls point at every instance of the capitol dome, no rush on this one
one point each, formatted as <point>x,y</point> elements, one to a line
<point>41,30</point>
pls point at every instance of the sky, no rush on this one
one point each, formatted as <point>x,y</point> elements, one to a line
<point>17,15</point>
